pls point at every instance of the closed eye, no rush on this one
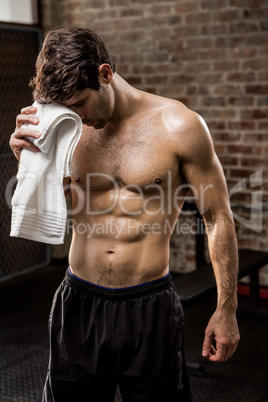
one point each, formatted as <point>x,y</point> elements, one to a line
<point>78,104</point>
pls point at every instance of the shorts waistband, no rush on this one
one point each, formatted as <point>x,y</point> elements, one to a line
<point>119,293</point>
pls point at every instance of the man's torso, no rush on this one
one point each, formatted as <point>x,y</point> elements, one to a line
<point>127,192</point>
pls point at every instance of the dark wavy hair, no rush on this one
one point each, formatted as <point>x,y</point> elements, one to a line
<point>68,61</point>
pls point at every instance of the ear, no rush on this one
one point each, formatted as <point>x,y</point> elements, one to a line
<point>105,74</point>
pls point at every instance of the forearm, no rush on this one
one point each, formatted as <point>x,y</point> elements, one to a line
<point>224,257</point>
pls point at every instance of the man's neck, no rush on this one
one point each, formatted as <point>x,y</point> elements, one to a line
<point>127,100</point>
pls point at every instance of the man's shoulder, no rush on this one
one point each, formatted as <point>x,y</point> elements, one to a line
<point>188,129</point>
<point>175,114</point>
<point>184,129</point>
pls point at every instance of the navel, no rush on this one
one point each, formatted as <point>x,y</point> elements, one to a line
<point>158,180</point>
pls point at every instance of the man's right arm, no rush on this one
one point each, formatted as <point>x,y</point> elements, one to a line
<point>17,139</point>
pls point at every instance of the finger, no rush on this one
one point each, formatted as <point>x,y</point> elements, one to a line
<point>231,350</point>
<point>207,344</point>
<point>229,354</point>
<point>17,151</point>
<point>24,132</point>
<point>19,144</point>
<point>24,118</point>
<point>32,147</point>
<point>28,110</point>
<point>235,347</point>
<point>212,351</point>
<point>18,141</point>
<point>221,354</point>
<point>231,347</point>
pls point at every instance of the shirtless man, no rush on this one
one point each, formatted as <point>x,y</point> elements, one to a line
<point>116,318</point>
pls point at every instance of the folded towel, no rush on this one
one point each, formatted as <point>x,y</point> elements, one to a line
<point>39,210</point>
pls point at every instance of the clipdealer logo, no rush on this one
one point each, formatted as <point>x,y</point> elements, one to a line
<point>166,201</point>
<point>255,208</point>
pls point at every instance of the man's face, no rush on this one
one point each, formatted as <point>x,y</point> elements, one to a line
<point>94,107</point>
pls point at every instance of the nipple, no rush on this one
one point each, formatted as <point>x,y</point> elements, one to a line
<point>157,180</point>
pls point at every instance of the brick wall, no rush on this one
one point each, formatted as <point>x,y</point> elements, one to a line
<point>212,56</point>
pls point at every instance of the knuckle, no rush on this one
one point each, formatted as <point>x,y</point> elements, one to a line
<point>26,110</point>
<point>225,341</point>
<point>25,143</point>
<point>208,332</point>
<point>18,133</point>
<point>21,131</point>
<point>11,139</point>
<point>220,358</point>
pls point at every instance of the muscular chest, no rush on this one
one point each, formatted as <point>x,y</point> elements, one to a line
<point>132,158</point>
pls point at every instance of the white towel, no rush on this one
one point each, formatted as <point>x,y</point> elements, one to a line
<point>39,210</point>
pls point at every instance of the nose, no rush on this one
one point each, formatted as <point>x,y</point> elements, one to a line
<point>80,113</point>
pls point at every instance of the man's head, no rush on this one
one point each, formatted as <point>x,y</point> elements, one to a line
<point>69,61</point>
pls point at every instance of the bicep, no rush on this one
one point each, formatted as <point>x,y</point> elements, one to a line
<point>204,174</point>
<point>208,186</point>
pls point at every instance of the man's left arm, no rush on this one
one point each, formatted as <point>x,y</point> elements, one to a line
<point>203,172</point>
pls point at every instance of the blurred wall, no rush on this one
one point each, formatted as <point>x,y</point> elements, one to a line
<point>212,56</point>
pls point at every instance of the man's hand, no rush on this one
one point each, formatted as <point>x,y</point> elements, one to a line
<point>222,328</point>
<point>17,139</point>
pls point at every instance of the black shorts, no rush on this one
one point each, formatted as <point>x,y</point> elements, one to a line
<point>130,337</point>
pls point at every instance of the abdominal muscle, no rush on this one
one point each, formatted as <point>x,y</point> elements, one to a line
<point>118,250</point>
